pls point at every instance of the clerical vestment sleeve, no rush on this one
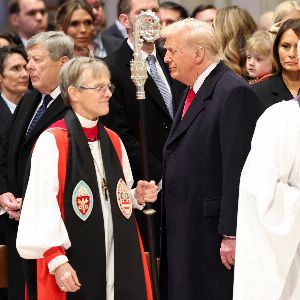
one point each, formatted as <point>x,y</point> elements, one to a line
<point>41,226</point>
<point>269,206</point>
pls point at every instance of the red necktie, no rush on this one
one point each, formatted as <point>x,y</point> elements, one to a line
<point>189,99</point>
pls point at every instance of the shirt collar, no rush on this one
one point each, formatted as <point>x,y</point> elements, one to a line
<point>121,28</point>
<point>98,40</point>
<point>55,93</point>
<point>89,128</point>
<point>12,106</point>
<point>86,122</point>
<point>144,54</point>
<point>198,83</point>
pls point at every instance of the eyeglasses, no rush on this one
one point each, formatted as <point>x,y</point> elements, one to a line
<point>100,89</point>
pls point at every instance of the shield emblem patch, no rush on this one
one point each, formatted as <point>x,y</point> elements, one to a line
<point>82,200</point>
<point>124,199</point>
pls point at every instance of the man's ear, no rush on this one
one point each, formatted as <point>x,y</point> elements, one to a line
<point>14,20</point>
<point>64,59</point>
<point>199,55</point>
<point>123,18</point>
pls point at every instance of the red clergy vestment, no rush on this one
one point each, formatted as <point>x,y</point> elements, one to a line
<point>47,288</point>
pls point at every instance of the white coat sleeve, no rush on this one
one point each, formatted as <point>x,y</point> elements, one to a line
<point>41,226</point>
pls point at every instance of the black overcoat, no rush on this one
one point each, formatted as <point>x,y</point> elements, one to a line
<point>272,90</point>
<point>203,159</point>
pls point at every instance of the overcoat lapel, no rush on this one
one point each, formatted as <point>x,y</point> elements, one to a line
<point>279,89</point>
<point>196,107</point>
<point>54,109</point>
<point>5,113</point>
<point>24,116</point>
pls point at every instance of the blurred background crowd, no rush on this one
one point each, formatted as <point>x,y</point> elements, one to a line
<point>259,43</point>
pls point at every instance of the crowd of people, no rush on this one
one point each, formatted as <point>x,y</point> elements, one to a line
<point>219,145</point>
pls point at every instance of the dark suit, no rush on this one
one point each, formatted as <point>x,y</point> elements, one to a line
<point>114,31</point>
<point>124,119</point>
<point>203,159</point>
<point>13,163</point>
<point>5,120</point>
<point>110,43</point>
<point>271,91</point>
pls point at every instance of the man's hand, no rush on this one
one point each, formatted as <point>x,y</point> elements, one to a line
<point>146,191</point>
<point>11,205</point>
<point>66,278</point>
<point>227,252</point>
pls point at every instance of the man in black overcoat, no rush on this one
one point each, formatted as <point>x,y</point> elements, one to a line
<point>203,158</point>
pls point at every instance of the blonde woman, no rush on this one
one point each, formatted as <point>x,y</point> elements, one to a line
<point>233,26</point>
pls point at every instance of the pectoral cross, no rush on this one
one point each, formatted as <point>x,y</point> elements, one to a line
<point>104,189</point>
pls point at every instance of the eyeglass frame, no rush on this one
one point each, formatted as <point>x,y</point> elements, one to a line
<point>99,89</point>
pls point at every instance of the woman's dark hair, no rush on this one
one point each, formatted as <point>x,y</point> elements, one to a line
<point>66,10</point>
<point>7,36</point>
<point>201,8</point>
<point>9,50</point>
<point>293,24</point>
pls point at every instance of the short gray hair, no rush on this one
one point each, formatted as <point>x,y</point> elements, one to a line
<point>57,43</point>
<point>195,33</point>
<point>72,73</point>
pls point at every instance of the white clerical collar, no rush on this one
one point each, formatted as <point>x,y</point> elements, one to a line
<point>86,123</point>
<point>198,83</point>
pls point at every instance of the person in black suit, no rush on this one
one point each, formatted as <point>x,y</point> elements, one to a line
<point>105,44</point>
<point>28,18</point>
<point>13,84</point>
<point>203,158</point>
<point>124,107</point>
<point>37,110</point>
<point>285,84</point>
<point>117,29</point>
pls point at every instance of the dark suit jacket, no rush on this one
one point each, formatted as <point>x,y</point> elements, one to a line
<point>271,91</point>
<point>114,31</point>
<point>111,43</point>
<point>5,119</point>
<point>13,162</point>
<point>203,159</point>
<point>124,118</point>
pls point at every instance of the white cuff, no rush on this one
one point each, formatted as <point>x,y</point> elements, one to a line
<point>135,203</point>
<point>2,211</point>
<point>56,262</point>
<point>229,236</point>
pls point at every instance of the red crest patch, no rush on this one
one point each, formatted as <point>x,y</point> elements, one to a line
<point>82,200</point>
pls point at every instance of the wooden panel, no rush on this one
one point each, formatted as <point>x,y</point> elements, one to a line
<point>3,270</point>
